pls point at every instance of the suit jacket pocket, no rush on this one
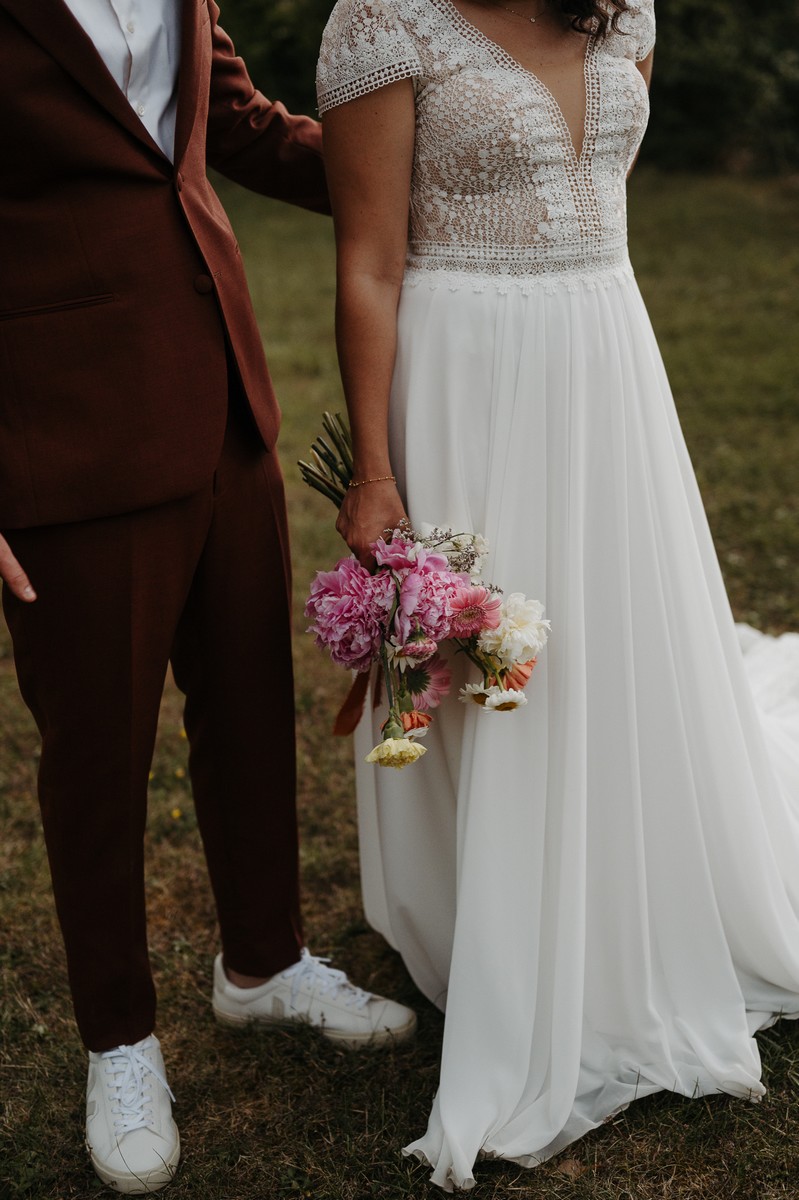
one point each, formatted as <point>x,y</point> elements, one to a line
<point>41,310</point>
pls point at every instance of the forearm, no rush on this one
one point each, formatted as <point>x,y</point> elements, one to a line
<point>256,142</point>
<point>272,152</point>
<point>366,335</point>
<point>369,148</point>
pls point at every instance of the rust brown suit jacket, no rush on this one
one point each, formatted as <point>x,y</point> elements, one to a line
<point>119,271</point>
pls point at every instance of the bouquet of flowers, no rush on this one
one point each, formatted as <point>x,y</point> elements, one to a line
<point>425,590</point>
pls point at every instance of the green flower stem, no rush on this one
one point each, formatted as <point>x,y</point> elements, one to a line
<point>393,727</point>
<point>330,470</point>
<point>475,656</point>
<point>387,676</point>
<point>321,483</point>
<point>338,431</point>
<point>322,451</point>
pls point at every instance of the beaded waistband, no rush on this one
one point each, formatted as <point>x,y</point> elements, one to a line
<point>584,258</point>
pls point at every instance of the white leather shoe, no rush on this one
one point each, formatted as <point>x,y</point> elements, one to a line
<point>311,993</point>
<point>130,1133</point>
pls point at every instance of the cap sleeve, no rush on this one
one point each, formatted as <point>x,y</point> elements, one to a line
<point>643,28</point>
<point>365,46</point>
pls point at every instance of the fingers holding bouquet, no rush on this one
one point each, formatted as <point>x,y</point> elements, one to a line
<point>371,508</point>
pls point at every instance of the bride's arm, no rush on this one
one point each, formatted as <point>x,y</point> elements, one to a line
<point>368,147</point>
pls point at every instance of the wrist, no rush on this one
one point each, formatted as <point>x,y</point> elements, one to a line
<point>367,466</point>
<point>358,481</point>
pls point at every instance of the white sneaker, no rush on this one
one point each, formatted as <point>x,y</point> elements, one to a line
<point>130,1133</point>
<point>311,993</point>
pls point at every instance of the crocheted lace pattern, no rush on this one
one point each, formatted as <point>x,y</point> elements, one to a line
<point>499,186</point>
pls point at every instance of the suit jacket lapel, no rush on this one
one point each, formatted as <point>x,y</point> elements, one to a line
<point>54,27</point>
<point>188,79</point>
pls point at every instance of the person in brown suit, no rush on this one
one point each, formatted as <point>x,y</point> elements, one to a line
<point>142,520</point>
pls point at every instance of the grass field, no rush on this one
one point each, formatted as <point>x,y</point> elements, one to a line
<point>265,1116</point>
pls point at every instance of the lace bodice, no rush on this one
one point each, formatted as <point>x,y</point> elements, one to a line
<point>498,188</point>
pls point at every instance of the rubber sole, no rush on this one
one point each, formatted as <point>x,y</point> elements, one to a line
<point>134,1185</point>
<point>353,1041</point>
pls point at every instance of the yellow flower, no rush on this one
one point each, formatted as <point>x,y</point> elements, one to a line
<point>395,752</point>
<point>176,814</point>
<point>183,733</point>
<point>180,773</point>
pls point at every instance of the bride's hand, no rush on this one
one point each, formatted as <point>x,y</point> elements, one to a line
<point>365,515</point>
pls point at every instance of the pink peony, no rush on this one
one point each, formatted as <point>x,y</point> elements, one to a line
<point>425,604</point>
<point>401,554</point>
<point>349,609</point>
<point>398,554</point>
<point>428,683</point>
<point>474,608</point>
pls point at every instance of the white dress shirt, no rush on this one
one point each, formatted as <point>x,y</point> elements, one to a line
<point>139,42</point>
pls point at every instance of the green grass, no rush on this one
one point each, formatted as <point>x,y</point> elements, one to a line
<point>265,1116</point>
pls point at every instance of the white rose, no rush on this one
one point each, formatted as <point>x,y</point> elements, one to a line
<point>521,634</point>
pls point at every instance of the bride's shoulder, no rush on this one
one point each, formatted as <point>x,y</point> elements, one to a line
<point>365,14</point>
<point>366,43</point>
<point>368,20</point>
<point>635,34</point>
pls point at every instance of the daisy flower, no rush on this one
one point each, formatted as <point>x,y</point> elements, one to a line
<point>428,682</point>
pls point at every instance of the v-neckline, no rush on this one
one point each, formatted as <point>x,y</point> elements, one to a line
<point>499,52</point>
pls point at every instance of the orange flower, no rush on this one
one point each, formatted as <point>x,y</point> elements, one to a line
<point>518,675</point>
<point>415,720</point>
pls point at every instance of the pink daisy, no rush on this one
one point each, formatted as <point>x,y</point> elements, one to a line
<point>428,683</point>
<point>473,609</point>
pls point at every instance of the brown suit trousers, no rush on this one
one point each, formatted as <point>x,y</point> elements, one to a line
<point>201,582</point>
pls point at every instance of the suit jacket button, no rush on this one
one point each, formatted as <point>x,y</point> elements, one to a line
<point>179,181</point>
<point>203,284</point>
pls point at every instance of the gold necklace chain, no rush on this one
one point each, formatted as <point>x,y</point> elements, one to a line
<point>532,20</point>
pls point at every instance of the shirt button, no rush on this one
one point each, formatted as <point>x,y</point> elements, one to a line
<point>203,284</point>
<point>131,28</point>
<point>140,109</point>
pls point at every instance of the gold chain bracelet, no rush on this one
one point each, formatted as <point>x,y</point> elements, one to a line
<point>378,479</point>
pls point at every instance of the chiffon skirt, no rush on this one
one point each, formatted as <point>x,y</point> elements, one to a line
<point>601,889</point>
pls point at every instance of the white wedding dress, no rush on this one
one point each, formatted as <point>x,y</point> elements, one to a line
<point>602,888</point>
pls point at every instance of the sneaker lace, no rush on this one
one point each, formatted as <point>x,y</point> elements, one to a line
<point>132,1086</point>
<point>330,981</point>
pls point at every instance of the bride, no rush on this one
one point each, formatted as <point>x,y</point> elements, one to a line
<point>601,889</point>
